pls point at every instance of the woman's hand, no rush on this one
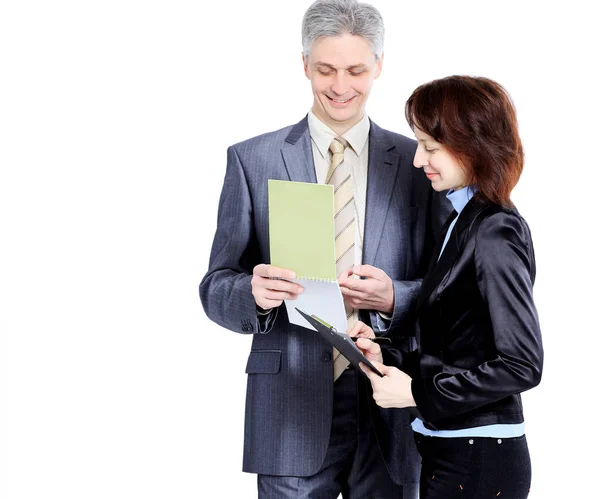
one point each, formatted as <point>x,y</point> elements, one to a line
<point>393,390</point>
<point>370,350</point>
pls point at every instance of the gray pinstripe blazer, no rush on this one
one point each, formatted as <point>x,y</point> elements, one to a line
<point>289,392</point>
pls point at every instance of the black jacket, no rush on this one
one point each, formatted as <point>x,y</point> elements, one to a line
<point>480,344</point>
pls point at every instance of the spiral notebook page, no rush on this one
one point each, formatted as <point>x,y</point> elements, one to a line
<point>301,238</point>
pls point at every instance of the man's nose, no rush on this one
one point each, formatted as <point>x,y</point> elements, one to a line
<point>340,83</point>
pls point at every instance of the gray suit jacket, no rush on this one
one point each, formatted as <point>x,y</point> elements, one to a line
<point>290,371</point>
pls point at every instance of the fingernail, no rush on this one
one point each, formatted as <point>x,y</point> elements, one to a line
<point>300,291</point>
<point>292,275</point>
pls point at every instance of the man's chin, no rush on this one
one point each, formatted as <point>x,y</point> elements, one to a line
<point>342,115</point>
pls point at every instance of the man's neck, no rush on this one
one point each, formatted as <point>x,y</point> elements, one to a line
<point>338,127</point>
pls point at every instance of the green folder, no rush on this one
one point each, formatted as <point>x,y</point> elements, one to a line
<point>301,230</point>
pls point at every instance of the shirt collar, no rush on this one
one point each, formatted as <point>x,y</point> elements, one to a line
<point>461,197</point>
<point>322,135</point>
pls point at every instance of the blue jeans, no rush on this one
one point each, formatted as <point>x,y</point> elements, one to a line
<point>474,467</point>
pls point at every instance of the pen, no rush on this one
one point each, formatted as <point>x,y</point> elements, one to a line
<point>377,339</point>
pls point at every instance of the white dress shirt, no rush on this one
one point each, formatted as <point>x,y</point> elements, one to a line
<point>356,156</point>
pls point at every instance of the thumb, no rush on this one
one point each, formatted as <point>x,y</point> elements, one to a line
<point>369,372</point>
<point>382,368</point>
<point>367,271</point>
<point>344,274</point>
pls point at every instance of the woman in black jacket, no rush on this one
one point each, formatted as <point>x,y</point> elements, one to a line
<point>480,344</point>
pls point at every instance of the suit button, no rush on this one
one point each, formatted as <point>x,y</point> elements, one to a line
<point>326,357</point>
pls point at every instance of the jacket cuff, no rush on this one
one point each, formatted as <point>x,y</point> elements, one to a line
<point>405,298</point>
<point>379,323</point>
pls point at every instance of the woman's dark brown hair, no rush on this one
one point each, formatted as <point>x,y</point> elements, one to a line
<point>475,120</point>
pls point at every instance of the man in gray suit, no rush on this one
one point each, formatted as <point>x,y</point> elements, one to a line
<point>307,435</point>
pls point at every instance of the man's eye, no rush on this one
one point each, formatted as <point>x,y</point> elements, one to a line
<point>430,151</point>
<point>325,73</point>
<point>356,73</point>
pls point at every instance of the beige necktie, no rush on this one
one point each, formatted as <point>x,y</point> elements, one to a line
<point>344,223</point>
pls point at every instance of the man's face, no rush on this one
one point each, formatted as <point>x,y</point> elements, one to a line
<point>341,70</point>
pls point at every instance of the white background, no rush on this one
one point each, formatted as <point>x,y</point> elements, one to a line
<point>115,118</point>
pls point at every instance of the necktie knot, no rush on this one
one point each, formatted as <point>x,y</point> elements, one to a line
<point>338,145</point>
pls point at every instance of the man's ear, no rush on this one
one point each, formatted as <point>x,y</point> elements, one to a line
<point>305,63</point>
<point>379,66</point>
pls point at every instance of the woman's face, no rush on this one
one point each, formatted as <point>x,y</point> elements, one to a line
<point>441,167</point>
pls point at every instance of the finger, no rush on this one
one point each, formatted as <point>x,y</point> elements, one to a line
<point>366,286</point>
<point>370,350</point>
<point>382,368</point>
<point>279,295</point>
<point>368,346</point>
<point>280,285</point>
<point>367,370</point>
<point>345,274</point>
<point>374,378</point>
<point>279,273</point>
<point>352,293</point>
<point>273,272</point>
<point>368,271</point>
<point>264,283</point>
<point>260,270</point>
<point>361,329</point>
<point>364,349</point>
<point>354,330</point>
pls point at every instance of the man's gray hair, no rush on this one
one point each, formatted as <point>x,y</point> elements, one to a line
<point>340,17</point>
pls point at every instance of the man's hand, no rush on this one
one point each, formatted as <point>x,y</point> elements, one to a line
<point>370,349</point>
<point>270,287</point>
<point>393,390</point>
<point>374,291</point>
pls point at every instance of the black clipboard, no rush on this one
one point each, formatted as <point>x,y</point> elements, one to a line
<point>342,342</point>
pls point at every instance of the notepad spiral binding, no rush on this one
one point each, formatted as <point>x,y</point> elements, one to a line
<point>318,279</point>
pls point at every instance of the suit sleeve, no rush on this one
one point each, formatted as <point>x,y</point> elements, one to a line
<point>406,292</point>
<point>405,296</point>
<point>505,270</point>
<point>226,290</point>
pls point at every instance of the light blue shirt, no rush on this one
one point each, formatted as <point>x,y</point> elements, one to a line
<point>459,200</point>
<point>492,431</point>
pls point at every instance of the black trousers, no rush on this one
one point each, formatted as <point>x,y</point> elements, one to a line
<point>474,467</point>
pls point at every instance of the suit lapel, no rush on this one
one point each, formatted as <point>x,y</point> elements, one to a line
<point>381,179</point>
<point>454,246</point>
<point>297,154</point>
